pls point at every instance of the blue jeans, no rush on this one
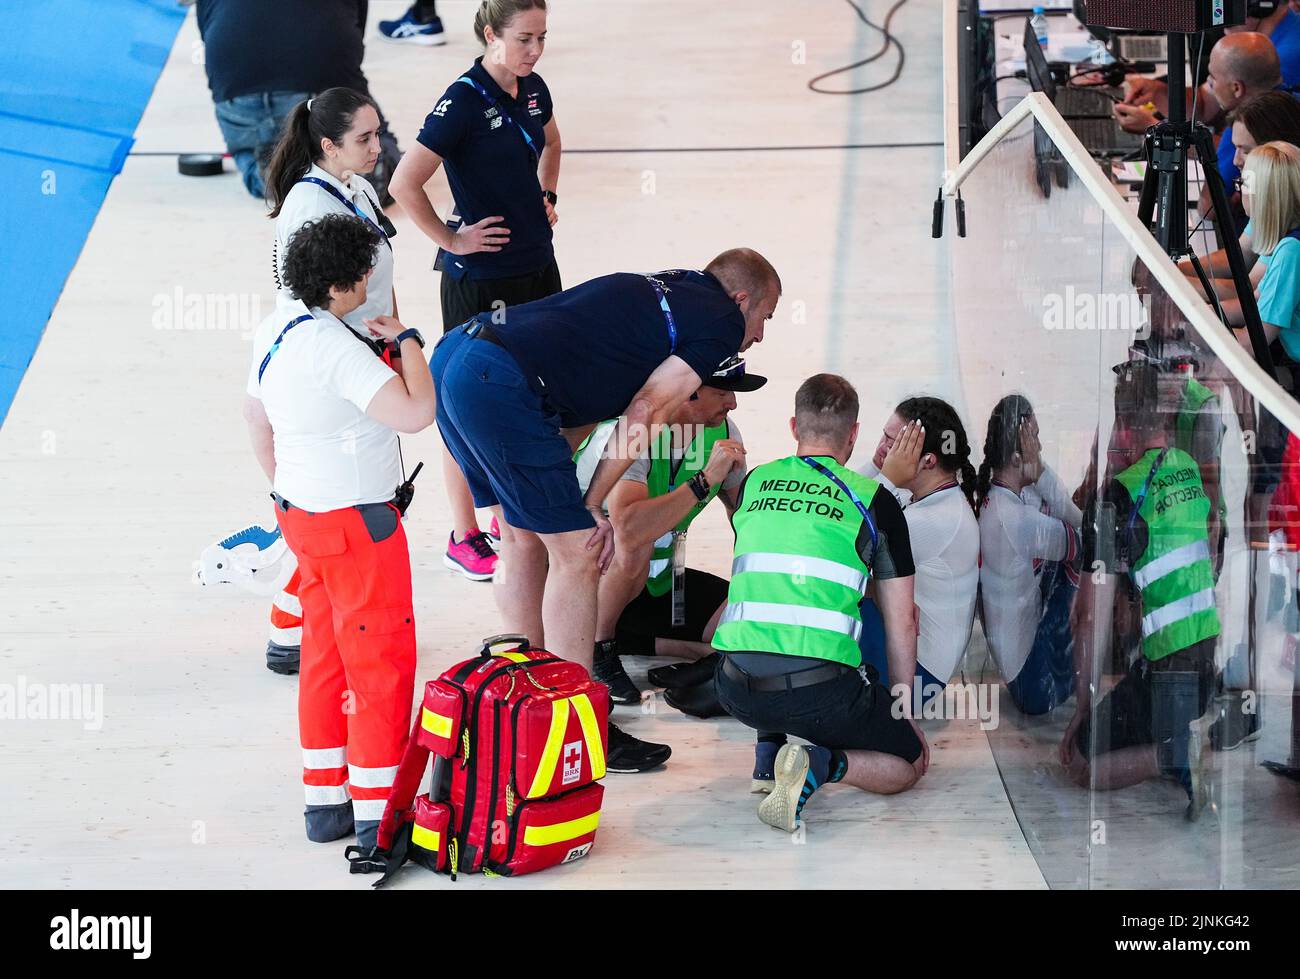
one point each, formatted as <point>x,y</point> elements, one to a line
<point>251,127</point>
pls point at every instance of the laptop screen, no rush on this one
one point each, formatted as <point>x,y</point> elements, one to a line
<point>1040,76</point>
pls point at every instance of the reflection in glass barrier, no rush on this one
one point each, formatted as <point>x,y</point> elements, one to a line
<point>1138,518</point>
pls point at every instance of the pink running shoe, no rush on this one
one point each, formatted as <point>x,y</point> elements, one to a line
<point>494,531</point>
<point>473,557</point>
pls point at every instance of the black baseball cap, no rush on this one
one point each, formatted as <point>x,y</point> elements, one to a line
<point>732,376</point>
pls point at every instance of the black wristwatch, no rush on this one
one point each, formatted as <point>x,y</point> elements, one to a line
<point>699,484</point>
<point>551,196</point>
<point>411,334</point>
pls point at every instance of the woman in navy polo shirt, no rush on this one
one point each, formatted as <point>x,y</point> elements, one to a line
<point>494,130</point>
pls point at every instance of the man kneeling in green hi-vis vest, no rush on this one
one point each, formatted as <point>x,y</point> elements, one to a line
<point>1148,541</point>
<point>698,456</point>
<point>810,534</point>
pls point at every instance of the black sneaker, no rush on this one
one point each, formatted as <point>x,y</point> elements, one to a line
<point>684,674</point>
<point>627,754</point>
<point>282,659</point>
<point>1234,726</point>
<point>608,669</point>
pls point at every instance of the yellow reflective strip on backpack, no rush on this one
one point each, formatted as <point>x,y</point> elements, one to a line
<point>430,839</point>
<point>560,832</point>
<point>551,753</point>
<point>591,732</point>
<point>514,657</point>
<point>439,725</point>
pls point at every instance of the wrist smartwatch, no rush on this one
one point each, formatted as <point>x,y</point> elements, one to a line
<point>699,484</point>
<point>551,196</point>
<point>410,335</point>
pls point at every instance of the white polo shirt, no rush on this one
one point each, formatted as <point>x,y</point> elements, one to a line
<point>309,202</point>
<point>329,454</point>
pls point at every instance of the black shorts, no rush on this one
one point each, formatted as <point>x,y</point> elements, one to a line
<point>647,618</point>
<point>844,712</point>
<point>466,297</point>
<point>1124,717</point>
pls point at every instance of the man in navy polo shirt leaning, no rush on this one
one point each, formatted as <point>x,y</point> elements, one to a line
<point>517,392</point>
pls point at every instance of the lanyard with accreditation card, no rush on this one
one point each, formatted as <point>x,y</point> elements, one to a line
<point>385,227</point>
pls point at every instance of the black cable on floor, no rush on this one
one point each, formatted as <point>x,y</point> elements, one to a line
<point>890,41</point>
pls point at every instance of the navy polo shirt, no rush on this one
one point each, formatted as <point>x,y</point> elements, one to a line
<point>594,346</point>
<point>493,171</point>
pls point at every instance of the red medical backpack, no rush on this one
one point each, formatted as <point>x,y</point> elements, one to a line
<point>518,739</point>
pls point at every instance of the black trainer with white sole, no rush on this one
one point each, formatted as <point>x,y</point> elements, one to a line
<point>627,754</point>
<point>608,669</point>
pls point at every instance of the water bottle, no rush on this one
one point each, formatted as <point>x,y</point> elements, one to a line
<point>1039,23</point>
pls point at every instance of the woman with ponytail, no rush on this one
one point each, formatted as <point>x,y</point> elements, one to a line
<point>327,142</point>
<point>494,131</point>
<point>1029,572</point>
<point>923,457</point>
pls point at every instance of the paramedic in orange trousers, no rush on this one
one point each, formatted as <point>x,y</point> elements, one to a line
<point>328,407</point>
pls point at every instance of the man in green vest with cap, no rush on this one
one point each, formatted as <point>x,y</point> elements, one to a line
<point>810,535</point>
<point>698,456</point>
<point>1150,538</point>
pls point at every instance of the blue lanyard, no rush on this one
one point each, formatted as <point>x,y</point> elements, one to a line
<point>1142,495</point>
<point>276,346</point>
<point>347,203</point>
<point>853,497</point>
<point>465,79</point>
<point>668,313</point>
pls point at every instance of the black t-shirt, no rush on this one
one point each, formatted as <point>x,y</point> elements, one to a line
<point>255,46</point>
<point>595,345</point>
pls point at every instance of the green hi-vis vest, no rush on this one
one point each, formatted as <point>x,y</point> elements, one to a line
<point>660,482</point>
<point>1195,395</point>
<point>1174,574</point>
<point>797,577</point>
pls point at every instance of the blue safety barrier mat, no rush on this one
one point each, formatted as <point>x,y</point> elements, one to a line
<point>75,76</point>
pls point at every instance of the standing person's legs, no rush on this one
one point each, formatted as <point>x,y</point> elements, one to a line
<point>520,581</point>
<point>250,125</point>
<point>374,623</point>
<point>283,647</point>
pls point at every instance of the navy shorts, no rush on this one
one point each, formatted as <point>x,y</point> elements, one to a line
<point>505,437</point>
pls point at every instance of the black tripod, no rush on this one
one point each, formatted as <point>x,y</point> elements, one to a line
<point>1165,185</point>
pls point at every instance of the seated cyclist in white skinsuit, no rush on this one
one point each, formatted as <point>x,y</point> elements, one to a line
<point>1029,572</point>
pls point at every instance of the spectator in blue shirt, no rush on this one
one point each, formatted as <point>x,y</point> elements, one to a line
<point>1271,196</point>
<point>516,394</point>
<point>495,132</point>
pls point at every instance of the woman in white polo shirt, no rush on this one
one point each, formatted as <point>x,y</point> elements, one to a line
<point>328,142</point>
<point>324,407</point>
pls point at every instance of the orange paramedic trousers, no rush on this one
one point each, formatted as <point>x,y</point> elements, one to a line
<point>357,676</point>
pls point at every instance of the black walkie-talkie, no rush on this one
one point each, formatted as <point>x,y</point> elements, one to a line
<point>406,492</point>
